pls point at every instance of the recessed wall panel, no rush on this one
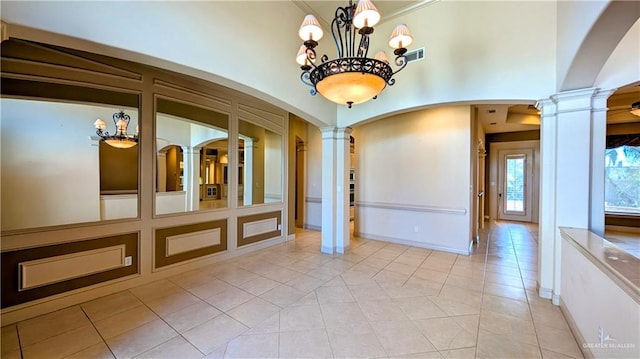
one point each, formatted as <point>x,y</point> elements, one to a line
<point>186,242</point>
<point>192,241</point>
<point>259,227</point>
<point>56,269</point>
<point>35,273</point>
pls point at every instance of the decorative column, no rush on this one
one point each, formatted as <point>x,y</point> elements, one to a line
<point>248,182</point>
<point>191,177</point>
<point>335,189</point>
<point>161,172</point>
<point>598,149</point>
<point>573,134</point>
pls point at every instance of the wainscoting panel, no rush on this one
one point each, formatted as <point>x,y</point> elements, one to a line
<point>178,244</point>
<point>51,270</point>
<point>34,273</point>
<point>192,241</point>
<point>259,227</point>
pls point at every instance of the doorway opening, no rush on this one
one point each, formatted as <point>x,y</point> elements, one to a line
<point>514,180</point>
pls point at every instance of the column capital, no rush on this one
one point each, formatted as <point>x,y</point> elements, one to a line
<point>191,150</point>
<point>574,100</point>
<point>344,133</point>
<point>592,99</point>
<point>328,132</point>
<point>547,108</point>
<point>336,133</point>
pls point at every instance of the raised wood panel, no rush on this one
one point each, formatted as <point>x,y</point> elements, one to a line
<point>255,228</point>
<point>46,72</point>
<point>14,292</point>
<point>192,241</point>
<point>202,239</point>
<point>259,227</point>
<point>187,94</point>
<point>27,88</point>
<point>56,269</point>
<point>254,113</point>
<point>51,55</point>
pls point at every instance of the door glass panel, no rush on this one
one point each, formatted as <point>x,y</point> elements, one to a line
<point>192,153</point>
<point>515,184</point>
<point>260,165</point>
<point>57,171</point>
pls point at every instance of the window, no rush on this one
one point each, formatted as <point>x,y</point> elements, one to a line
<point>515,183</point>
<point>622,180</point>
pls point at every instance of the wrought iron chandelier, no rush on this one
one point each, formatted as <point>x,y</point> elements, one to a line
<point>352,77</point>
<point>121,139</point>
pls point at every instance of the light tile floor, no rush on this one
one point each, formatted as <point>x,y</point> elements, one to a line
<point>381,300</point>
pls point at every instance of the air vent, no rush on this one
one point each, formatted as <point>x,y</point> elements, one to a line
<point>415,55</point>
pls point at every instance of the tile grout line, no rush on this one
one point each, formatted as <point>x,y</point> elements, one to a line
<point>104,341</point>
<point>484,274</point>
<point>526,296</point>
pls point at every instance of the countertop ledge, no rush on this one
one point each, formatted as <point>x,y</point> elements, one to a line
<point>617,264</point>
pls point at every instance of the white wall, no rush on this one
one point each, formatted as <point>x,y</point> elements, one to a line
<point>575,19</point>
<point>622,67</point>
<point>272,167</point>
<point>413,178</point>
<point>226,42</point>
<point>40,187</point>
<point>176,131</point>
<point>313,204</point>
<point>474,51</point>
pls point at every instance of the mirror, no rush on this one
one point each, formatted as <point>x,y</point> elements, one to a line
<point>260,165</point>
<point>192,150</point>
<point>56,170</point>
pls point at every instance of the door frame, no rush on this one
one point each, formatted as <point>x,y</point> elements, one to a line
<point>504,214</point>
<point>493,190</point>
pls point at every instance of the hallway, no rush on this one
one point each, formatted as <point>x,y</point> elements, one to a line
<point>381,300</point>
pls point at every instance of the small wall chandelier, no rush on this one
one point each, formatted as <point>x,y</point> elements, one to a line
<point>352,77</point>
<point>121,139</point>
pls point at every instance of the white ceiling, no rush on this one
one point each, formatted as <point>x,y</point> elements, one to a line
<point>495,118</point>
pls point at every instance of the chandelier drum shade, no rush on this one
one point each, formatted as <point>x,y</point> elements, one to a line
<point>352,77</point>
<point>121,139</point>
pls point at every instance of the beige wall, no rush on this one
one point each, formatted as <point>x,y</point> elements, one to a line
<point>118,168</point>
<point>413,178</point>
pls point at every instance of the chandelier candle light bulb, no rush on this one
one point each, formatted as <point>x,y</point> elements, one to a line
<point>366,15</point>
<point>352,77</point>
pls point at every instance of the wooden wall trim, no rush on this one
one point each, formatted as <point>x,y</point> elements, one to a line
<point>11,260</point>
<point>243,241</point>
<point>160,252</point>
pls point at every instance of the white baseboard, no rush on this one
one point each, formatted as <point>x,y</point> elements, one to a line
<point>465,252</point>
<point>545,293</point>
<point>326,250</point>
